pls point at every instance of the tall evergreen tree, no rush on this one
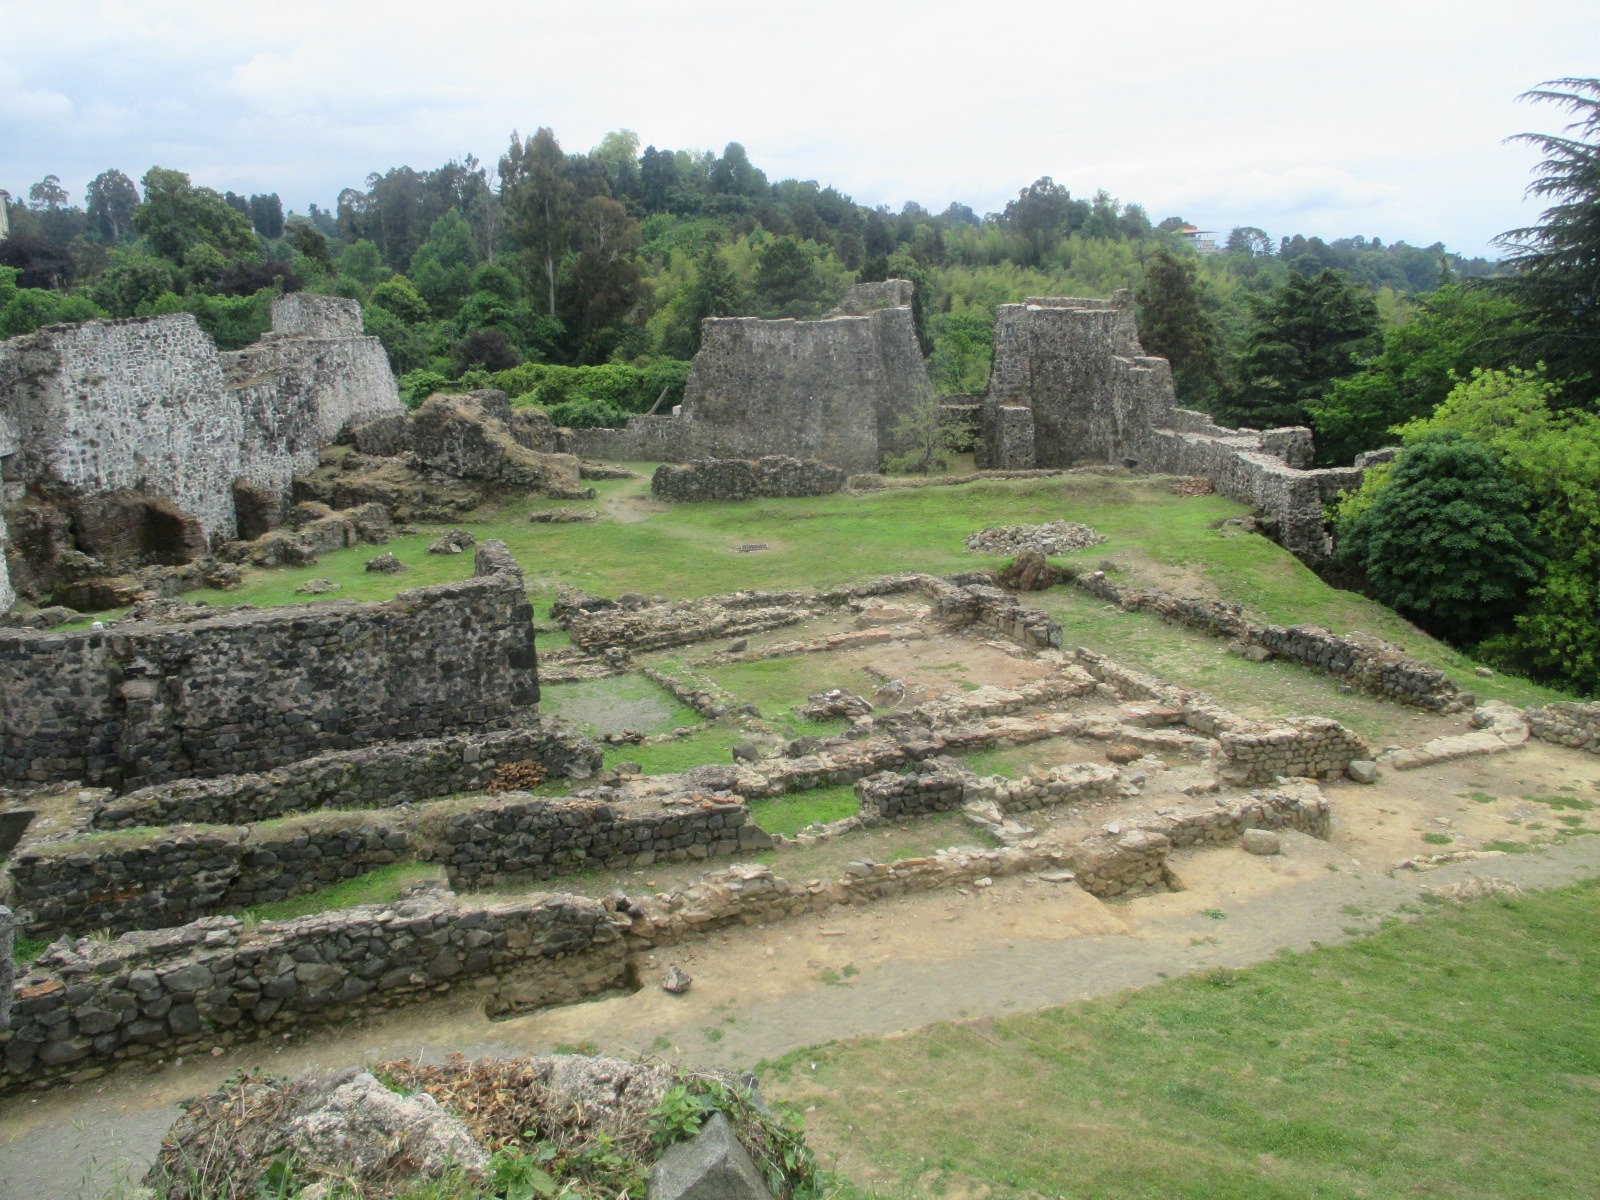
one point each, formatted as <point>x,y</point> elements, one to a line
<point>1302,336</point>
<point>1557,261</point>
<point>1174,325</point>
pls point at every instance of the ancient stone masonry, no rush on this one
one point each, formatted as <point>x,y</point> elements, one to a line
<point>256,689</point>
<point>90,1003</point>
<point>1309,747</point>
<point>1567,724</point>
<point>1075,368</point>
<point>1367,662</point>
<point>746,479</point>
<point>126,440</point>
<point>832,390</point>
<point>180,877</point>
<point>521,840</point>
<point>380,776</point>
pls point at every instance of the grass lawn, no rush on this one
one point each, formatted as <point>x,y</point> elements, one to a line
<point>688,550</point>
<point>1458,1056</point>
<point>380,886</point>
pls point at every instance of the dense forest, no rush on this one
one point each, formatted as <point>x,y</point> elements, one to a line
<point>578,281</point>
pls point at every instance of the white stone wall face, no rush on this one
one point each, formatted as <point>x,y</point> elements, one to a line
<point>149,405</point>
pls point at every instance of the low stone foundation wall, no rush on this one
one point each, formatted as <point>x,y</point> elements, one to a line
<point>945,785</point>
<point>522,840</point>
<point>1567,724</point>
<point>1309,747</point>
<point>89,1005</point>
<point>372,777</point>
<point>1367,662</point>
<point>172,880</point>
<point>773,475</point>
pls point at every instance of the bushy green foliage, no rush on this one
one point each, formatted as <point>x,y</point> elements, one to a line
<point>626,389</point>
<point>1174,324</point>
<point>1555,455</point>
<point>23,310</point>
<point>1445,538</point>
<point>1454,331</point>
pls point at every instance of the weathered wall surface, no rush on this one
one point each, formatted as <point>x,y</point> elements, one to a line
<point>211,983</point>
<point>1077,366</point>
<point>1567,723</point>
<point>521,840</point>
<point>373,777</point>
<point>253,690</point>
<point>746,479</point>
<point>833,390</point>
<point>137,404</point>
<point>177,878</point>
<point>102,416</point>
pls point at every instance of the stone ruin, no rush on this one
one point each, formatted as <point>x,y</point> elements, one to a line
<point>834,389</point>
<point>136,442</point>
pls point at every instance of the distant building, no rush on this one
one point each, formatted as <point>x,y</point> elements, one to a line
<point>1204,241</point>
<point>5,217</point>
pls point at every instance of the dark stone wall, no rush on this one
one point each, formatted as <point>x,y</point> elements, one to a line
<point>252,690</point>
<point>746,479</point>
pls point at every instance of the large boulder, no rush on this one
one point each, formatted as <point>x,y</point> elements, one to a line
<point>471,436</point>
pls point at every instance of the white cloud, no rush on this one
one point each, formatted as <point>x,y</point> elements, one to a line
<point>1385,121</point>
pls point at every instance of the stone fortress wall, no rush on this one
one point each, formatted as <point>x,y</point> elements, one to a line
<point>127,439</point>
<point>255,689</point>
<point>832,389</point>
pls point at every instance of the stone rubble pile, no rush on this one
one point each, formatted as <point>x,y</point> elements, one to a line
<point>773,475</point>
<point>1051,538</point>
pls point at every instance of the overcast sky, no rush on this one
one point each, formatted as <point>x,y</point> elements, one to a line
<point>1378,117</point>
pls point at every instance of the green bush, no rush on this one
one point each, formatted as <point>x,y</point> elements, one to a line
<point>628,389</point>
<point>587,414</point>
<point>1445,538</point>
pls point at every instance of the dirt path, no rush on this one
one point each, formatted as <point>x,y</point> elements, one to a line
<point>761,992</point>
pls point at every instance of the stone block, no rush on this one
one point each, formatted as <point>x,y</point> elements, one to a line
<point>710,1166</point>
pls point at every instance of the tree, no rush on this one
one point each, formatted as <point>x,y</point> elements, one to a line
<point>177,217</point>
<point>538,201</point>
<point>1248,240</point>
<point>443,266</point>
<point>133,282</point>
<point>486,349</point>
<point>606,283</point>
<point>712,291</point>
<point>1174,324</point>
<point>1044,212</point>
<point>1454,331</point>
<point>43,263</point>
<point>47,195</point>
<point>1446,540</point>
<point>306,240</point>
<point>1302,336</point>
<point>111,199</point>
<point>266,215</point>
<point>787,283</point>
<point>1557,261</point>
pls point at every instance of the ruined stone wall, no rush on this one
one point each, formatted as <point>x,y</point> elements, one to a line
<point>746,479</point>
<point>521,840</point>
<point>176,878</point>
<point>372,777</point>
<point>256,689</point>
<point>1313,747</point>
<point>137,404</point>
<point>863,298</point>
<point>1077,366</point>
<point>1567,724</point>
<point>94,1004</point>
<point>107,415</point>
<point>1243,468</point>
<point>1370,663</point>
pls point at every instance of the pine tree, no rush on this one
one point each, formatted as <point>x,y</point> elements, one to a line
<point>1174,325</point>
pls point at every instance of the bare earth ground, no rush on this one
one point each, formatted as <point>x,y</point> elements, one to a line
<point>1019,945</point>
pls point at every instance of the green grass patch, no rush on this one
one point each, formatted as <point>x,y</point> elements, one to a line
<point>777,684</point>
<point>1437,839</point>
<point>382,886</point>
<point>1569,802</point>
<point>791,813</point>
<point>616,703</point>
<point>25,950</point>
<point>1456,1056</point>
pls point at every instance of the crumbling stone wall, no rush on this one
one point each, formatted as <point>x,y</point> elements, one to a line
<point>520,840</point>
<point>176,878</point>
<point>128,437</point>
<point>255,689</point>
<point>1370,663</point>
<point>746,479</point>
<point>1567,723</point>
<point>381,776</point>
<point>1312,747</point>
<point>100,1003</point>
<point>832,390</point>
<point>1076,365</point>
